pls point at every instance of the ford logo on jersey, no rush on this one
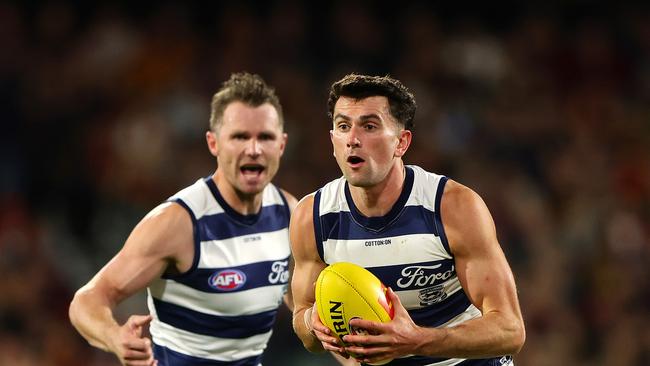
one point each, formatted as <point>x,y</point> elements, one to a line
<point>227,280</point>
<point>425,275</point>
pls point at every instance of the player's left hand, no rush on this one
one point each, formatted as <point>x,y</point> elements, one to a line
<point>397,338</point>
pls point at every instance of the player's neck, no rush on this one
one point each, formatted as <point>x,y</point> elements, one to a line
<point>244,204</point>
<point>379,199</point>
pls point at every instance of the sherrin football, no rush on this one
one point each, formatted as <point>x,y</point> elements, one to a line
<point>345,291</point>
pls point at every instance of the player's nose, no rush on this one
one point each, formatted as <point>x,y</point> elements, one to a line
<point>353,138</point>
<point>253,148</point>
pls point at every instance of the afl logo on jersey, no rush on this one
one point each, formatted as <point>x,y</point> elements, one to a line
<point>227,280</point>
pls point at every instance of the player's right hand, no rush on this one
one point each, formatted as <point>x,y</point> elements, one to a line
<point>324,334</point>
<point>129,344</point>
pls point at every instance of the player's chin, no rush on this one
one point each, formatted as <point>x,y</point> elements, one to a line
<point>247,186</point>
<point>250,190</point>
<point>358,180</point>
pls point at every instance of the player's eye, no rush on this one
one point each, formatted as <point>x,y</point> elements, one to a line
<point>267,137</point>
<point>343,127</point>
<point>370,127</point>
<point>239,136</point>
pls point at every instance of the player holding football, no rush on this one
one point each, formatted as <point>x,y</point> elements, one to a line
<point>454,293</point>
<point>214,257</point>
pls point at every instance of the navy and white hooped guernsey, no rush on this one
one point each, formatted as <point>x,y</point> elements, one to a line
<point>222,311</point>
<point>406,249</point>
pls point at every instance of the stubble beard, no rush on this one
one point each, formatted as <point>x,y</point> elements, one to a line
<point>358,179</point>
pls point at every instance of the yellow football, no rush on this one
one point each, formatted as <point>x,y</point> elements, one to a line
<point>345,291</point>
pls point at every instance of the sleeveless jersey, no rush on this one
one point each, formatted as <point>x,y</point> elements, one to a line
<point>222,311</point>
<point>406,249</point>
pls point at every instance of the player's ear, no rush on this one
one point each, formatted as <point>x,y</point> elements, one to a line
<point>284,137</point>
<point>211,139</point>
<point>403,142</point>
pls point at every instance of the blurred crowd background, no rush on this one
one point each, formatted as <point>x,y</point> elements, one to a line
<point>542,109</point>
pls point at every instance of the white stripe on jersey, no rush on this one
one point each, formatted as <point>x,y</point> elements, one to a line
<point>221,304</point>
<point>334,200</point>
<point>199,199</point>
<point>422,193</point>
<point>213,348</point>
<point>404,249</point>
<point>242,250</point>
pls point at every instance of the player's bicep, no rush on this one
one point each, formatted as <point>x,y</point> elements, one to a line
<point>481,265</point>
<point>147,252</point>
<point>307,263</point>
<point>487,280</point>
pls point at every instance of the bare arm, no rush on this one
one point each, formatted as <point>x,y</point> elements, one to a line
<point>148,252</point>
<point>485,276</point>
<point>307,267</point>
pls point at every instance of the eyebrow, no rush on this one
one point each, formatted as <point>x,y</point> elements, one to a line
<point>248,133</point>
<point>363,118</point>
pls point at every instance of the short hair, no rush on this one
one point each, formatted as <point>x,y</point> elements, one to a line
<point>246,88</point>
<point>401,102</point>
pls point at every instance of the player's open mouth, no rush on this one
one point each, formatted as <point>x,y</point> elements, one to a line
<point>251,169</point>
<point>355,160</point>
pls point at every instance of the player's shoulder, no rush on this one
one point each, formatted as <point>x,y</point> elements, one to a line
<point>165,231</point>
<point>458,190</point>
<point>301,227</point>
<point>170,215</point>
<point>458,197</point>
<point>465,216</point>
<point>305,206</point>
<point>302,216</point>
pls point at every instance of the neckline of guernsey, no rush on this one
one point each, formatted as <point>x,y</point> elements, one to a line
<point>244,219</point>
<point>378,223</point>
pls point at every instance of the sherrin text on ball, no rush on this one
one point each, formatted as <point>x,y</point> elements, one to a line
<point>345,291</point>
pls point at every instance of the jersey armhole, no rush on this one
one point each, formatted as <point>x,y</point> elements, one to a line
<point>197,246</point>
<point>284,200</point>
<point>437,215</point>
<point>318,234</point>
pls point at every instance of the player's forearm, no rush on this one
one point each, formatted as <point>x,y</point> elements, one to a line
<point>491,335</point>
<point>300,327</point>
<point>93,317</point>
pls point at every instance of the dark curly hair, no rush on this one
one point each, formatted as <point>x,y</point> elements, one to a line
<point>400,100</point>
<point>246,88</point>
